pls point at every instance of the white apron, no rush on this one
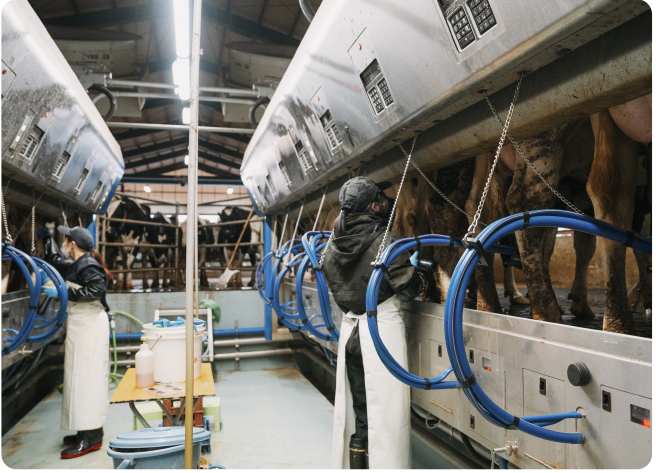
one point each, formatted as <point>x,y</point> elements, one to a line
<point>86,366</point>
<point>388,399</point>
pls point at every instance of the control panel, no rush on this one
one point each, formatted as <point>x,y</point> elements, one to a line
<point>468,20</point>
<point>330,128</point>
<point>301,151</point>
<point>376,87</point>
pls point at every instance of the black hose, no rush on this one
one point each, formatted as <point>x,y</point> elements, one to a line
<point>112,100</point>
<point>253,109</point>
<point>307,9</point>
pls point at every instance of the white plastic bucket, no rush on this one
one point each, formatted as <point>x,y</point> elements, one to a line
<point>168,347</point>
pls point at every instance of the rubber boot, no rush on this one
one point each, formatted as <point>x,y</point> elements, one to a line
<point>358,455</point>
<point>71,439</point>
<point>87,442</point>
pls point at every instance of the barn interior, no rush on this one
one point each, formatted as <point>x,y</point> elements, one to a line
<point>488,127</point>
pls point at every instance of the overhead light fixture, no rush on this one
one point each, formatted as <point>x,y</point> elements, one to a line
<point>230,190</point>
<point>147,189</point>
<point>186,115</point>
<point>181,67</point>
<point>187,160</point>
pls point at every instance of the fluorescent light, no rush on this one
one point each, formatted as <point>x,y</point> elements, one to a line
<point>187,160</point>
<point>186,115</point>
<point>181,18</point>
<point>181,71</point>
<point>230,190</point>
<point>147,189</point>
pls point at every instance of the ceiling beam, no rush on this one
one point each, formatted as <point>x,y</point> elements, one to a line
<point>156,147</point>
<point>177,154</point>
<point>137,133</point>
<point>163,10</point>
<point>160,170</point>
<point>182,180</point>
<point>217,148</point>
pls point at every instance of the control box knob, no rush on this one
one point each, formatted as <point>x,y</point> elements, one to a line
<point>578,374</point>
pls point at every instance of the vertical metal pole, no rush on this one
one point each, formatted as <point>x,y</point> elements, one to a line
<point>268,326</point>
<point>192,234</point>
<point>176,251</point>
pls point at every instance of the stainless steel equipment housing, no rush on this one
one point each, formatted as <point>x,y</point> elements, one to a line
<point>53,139</point>
<point>521,364</point>
<point>370,72</point>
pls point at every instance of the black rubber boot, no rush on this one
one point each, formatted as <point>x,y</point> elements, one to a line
<point>87,441</point>
<point>358,456</point>
<point>71,439</point>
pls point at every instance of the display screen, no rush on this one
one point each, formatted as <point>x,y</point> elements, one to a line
<point>444,4</point>
<point>370,73</point>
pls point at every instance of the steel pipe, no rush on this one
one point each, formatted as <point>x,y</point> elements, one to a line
<point>253,354</point>
<point>167,127</point>
<point>222,224</point>
<point>149,95</point>
<point>138,222</point>
<point>158,85</point>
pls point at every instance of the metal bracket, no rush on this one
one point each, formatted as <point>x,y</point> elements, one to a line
<point>470,242</point>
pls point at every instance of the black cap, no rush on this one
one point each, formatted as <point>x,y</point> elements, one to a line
<point>80,235</point>
<point>357,193</point>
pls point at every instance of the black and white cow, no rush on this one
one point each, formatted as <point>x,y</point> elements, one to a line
<point>206,236</point>
<point>230,234</point>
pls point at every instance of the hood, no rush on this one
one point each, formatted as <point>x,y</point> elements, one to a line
<point>362,229</point>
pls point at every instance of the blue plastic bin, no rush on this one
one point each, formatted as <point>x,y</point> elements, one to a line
<point>155,448</point>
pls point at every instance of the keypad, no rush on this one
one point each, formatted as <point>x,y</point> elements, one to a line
<point>375,100</point>
<point>387,96</point>
<point>462,28</point>
<point>483,15</point>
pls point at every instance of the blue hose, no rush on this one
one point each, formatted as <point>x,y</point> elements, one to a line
<point>455,304</point>
<point>390,254</point>
<point>61,315</point>
<point>283,316</point>
<point>34,289</point>
<point>312,251</point>
<point>275,257</point>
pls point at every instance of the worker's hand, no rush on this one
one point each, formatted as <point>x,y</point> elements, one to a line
<point>50,291</point>
<point>44,277</point>
<point>414,258</point>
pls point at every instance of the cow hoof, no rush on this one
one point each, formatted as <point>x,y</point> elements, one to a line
<point>582,311</point>
<point>518,299</point>
<point>129,287</point>
<point>547,319</point>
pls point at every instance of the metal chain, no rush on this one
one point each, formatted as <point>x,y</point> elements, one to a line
<point>8,238</point>
<point>330,239</point>
<point>316,220</point>
<point>381,249</point>
<point>521,152</point>
<point>33,225</point>
<point>477,216</point>
<point>439,191</point>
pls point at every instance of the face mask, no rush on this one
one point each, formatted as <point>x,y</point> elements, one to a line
<point>64,252</point>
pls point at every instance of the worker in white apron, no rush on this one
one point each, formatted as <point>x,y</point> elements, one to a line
<point>371,426</point>
<point>86,359</point>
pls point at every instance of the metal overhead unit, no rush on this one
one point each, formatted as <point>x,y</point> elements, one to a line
<point>368,75</point>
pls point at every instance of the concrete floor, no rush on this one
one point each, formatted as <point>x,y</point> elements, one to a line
<point>271,418</point>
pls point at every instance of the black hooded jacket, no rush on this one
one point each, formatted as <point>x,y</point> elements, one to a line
<point>347,265</point>
<point>87,273</point>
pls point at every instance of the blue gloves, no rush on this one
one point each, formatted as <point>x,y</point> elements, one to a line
<point>50,291</point>
<point>44,277</point>
<point>414,258</point>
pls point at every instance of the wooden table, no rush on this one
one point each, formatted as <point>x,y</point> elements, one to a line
<point>127,391</point>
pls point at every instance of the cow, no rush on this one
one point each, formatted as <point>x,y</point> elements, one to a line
<point>206,236</point>
<point>127,233</point>
<point>161,257</point>
<point>231,233</point>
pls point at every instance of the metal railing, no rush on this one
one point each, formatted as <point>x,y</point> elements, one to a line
<point>102,243</point>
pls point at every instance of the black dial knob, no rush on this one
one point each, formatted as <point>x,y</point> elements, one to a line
<point>578,374</point>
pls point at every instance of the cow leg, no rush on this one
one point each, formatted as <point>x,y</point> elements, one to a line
<point>487,298</point>
<point>510,289</point>
<point>640,295</point>
<point>584,246</point>
<point>128,276</point>
<point>612,186</point>
<point>120,278</point>
<point>527,192</point>
<point>202,260</point>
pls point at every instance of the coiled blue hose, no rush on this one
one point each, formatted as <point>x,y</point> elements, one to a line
<point>310,240</point>
<point>373,288</point>
<point>61,315</point>
<point>275,257</point>
<point>455,304</point>
<point>34,289</point>
<point>283,316</point>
